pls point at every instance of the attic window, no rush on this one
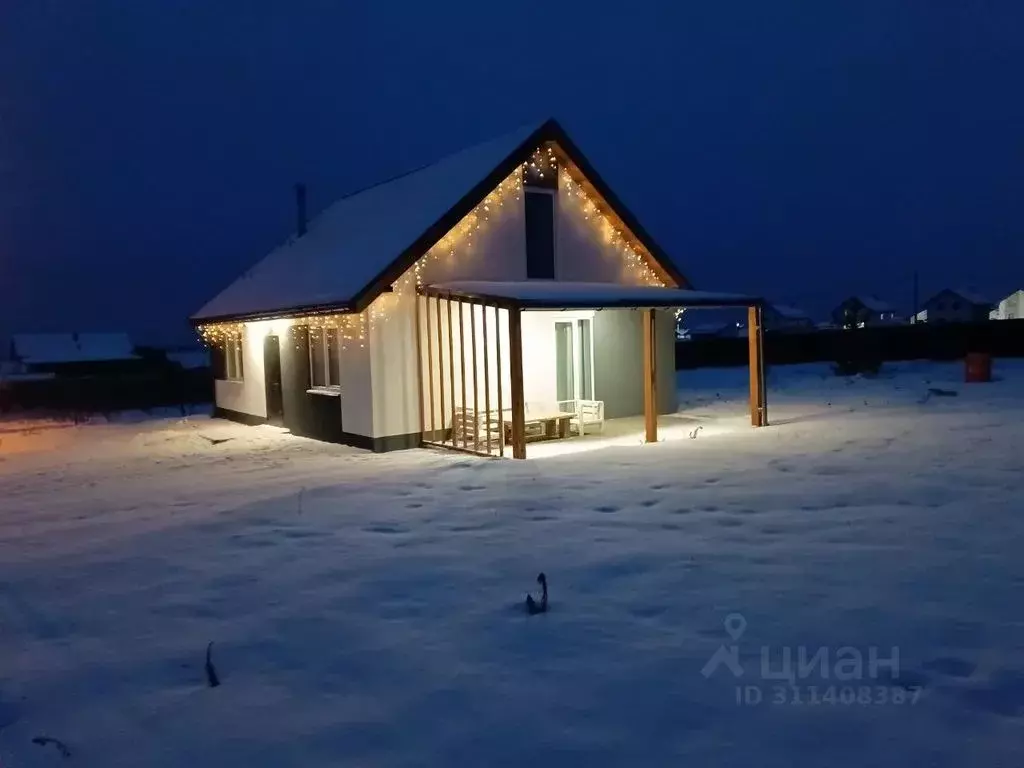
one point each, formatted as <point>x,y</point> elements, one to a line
<point>540,235</point>
<point>541,170</point>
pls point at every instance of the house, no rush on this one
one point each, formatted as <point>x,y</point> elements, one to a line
<point>956,306</point>
<point>75,354</point>
<point>691,331</point>
<point>501,294</point>
<point>862,311</point>
<point>1010,308</point>
<point>784,317</point>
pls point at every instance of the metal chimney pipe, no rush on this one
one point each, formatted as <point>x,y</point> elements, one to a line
<point>300,209</point>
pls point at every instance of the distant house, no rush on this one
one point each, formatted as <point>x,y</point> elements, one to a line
<point>956,306</point>
<point>189,358</point>
<point>710,330</point>
<point>862,311</point>
<point>783,317</point>
<point>1010,308</point>
<point>74,354</point>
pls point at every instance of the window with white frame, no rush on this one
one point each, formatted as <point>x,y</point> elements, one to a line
<point>324,359</point>
<point>233,370</point>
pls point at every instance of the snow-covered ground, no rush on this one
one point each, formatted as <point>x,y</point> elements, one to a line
<point>367,609</point>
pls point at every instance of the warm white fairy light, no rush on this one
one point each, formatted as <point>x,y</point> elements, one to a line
<point>636,263</point>
<point>458,243</point>
<point>218,333</point>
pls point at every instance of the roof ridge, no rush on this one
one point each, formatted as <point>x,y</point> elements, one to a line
<point>435,161</point>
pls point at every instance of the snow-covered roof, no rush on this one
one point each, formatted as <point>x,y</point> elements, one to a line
<point>360,244</point>
<point>972,297</point>
<point>790,312</point>
<point>875,304</point>
<point>37,348</point>
<point>552,294</point>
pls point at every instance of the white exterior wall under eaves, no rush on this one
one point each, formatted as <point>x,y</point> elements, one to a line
<point>499,253</point>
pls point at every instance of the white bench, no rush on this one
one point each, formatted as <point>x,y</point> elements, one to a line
<point>541,421</point>
<point>588,415</point>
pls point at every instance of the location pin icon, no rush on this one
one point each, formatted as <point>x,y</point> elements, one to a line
<point>735,625</point>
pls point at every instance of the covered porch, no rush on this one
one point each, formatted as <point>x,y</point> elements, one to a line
<point>507,364</point>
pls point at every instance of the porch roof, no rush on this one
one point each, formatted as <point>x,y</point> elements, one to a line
<point>551,294</point>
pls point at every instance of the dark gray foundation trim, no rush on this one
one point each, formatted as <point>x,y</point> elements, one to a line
<point>383,444</point>
<point>375,444</point>
<point>241,418</point>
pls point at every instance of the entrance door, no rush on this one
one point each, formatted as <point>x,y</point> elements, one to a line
<point>272,380</point>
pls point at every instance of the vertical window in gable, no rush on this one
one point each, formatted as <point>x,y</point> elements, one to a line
<point>540,185</point>
<point>540,235</point>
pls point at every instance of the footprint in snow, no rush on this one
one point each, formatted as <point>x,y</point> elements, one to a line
<point>385,529</point>
<point>1003,694</point>
<point>950,666</point>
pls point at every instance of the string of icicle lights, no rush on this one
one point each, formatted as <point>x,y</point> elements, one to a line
<point>458,243</point>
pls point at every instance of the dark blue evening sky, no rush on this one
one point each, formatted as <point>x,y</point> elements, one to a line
<point>801,150</point>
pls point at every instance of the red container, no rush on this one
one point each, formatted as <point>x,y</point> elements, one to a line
<point>978,367</point>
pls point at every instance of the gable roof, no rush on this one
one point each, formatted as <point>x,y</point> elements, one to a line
<point>972,297</point>
<point>39,348</point>
<point>354,250</point>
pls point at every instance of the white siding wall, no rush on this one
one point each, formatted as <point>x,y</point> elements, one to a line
<point>539,354</point>
<point>581,253</point>
<point>1011,308</point>
<point>497,252</point>
<point>249,395</point>
<point>396,393</point>
<point>356,389</point>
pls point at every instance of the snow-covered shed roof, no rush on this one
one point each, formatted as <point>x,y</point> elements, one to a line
<point>39,348</point>
<point>362,243</point>
<point>552,294</point>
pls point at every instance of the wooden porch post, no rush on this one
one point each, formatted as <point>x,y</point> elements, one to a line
<point>650,378</point>
<point>515,354</point>
<point>418,330</point>
<point>501,381</point>
<point>755,346</point>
